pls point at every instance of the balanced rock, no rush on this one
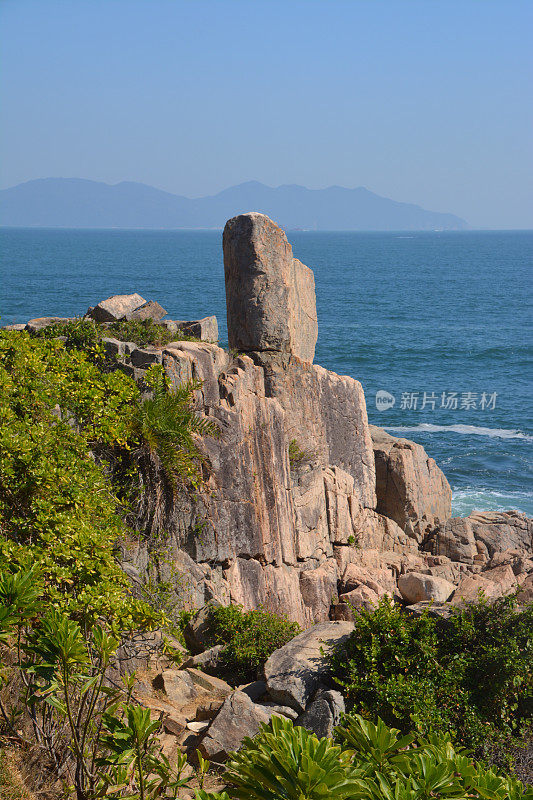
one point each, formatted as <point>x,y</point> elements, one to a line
<point>116,307</point>
<point>416,587</point>
<point>270,295</point>
<point>410,487</point>
<point>293,672</point>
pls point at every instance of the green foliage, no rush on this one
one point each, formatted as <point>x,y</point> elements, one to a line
<point>80,334</point>
<point>297,456</point>
<point>249,638</point>
<point>471,677</point>
<point>91,730</point>
<point>368,762</point>
<point>287,763</point>
<point>167,423</point>
<point>57,508</point>
<point>146,332</point>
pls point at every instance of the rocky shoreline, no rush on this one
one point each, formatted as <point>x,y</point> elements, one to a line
<point>307,510</point>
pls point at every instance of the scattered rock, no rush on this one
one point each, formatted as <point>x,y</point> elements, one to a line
<point>197,631</point>
<point>116,307</point>
<point>323,713</point>
<point>254,690</point>
<point>40,323</point>
<point>416,587</point>
<point>178,686</point>
<point>208,683</point>
<point>238,717</point>
<point>292,673</point>
<point>149,310</point>
<point>205,329</point>
<point>208,659</point>
<point>197,727</point>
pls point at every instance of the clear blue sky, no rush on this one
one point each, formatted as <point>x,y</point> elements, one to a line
<point>426,101</point>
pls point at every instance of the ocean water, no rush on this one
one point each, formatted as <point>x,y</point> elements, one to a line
<point>438,322</point>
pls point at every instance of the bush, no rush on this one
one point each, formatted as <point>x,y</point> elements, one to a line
<point>249,638</point>
<point>471,677</point>
<point>145,332</point>
<point>369,762</point>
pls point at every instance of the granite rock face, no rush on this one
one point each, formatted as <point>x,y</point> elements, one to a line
<point>480,536</point>
<point>270,295</point>
<point>410,487</point>
<point>116,307</point>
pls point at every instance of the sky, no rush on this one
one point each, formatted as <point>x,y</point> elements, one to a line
<point>423,101</point>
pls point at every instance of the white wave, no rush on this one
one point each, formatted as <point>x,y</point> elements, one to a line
<point>466,430</point>
<point>470,499</point>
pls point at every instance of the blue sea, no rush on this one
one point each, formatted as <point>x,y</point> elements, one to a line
<point>440,322</point>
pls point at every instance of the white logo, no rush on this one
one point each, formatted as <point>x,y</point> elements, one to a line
<point>384,400</point>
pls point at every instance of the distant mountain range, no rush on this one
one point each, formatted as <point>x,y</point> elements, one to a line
<point>80,203</point>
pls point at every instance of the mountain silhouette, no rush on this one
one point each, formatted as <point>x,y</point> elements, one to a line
<point>81,203</point>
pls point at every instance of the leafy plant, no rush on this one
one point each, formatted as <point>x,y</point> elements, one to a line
<point>287,763</point>
<point>249,638</point>
<point>472,677</point>
<point>297,456</point>
<point>167,424</point>
<point>81,334</point>
<point>146,332</point>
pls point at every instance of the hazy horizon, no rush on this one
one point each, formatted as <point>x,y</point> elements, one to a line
<point>419,102</point>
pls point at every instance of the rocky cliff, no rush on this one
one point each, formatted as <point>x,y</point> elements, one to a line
<point>306,508</point>
<point>305,503</point>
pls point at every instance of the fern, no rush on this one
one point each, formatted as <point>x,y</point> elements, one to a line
<point>167,424</point>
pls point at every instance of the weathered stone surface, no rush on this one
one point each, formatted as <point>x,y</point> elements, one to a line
<point>116,307</point>
<point>206,660</point>
<point>362,597</point>
<point>238,717</point>
<point>323,713</point>
<point>292,673</point>
<point>205,329</point>
<point>502,530</point>
<point>318,587</point>
<point>149,310</point>
<point>16,326</point>
<point>410,487</point>
<point>196,633</point>
<point>177,685</point>
<point>40,323</point>
<point>270,296</point>
<point>416,587</point>
<point>493,583</point>
<point>478,537</point>
<point>380,581</point>
<point>208,683</point>
<point>525,595</point>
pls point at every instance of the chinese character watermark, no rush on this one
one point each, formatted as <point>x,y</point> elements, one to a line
<point>430,401</point>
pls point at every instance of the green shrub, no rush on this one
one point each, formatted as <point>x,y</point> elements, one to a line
<point>81,334</point>
<point>287,763</point>
<point>167,423</point>
<point>297,456</point>
<point>369,762</point>
<point>471,677</point>
<point>146,332</point>
<point>249,638</point>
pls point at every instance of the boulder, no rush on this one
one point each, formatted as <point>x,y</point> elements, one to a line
<point>502,530</point>
<point>215,687</point>
<point>238,717</point>
<point>149,310</point>
<point>116,307</point>
<point>270,295</point>
<point>416,587</point>
<point>206,660</point>
<point>293,672</point>
<point>205,329</point>
<point>381,581</point>
<point>361,597</point>
<point>410,487</point>
<point>177,685</point>
<point>454,539</point>
<point>525,595</point>
<point>197,634</point>
<point>40,323</point>
<point>323,713</point>
<point>493,583</point>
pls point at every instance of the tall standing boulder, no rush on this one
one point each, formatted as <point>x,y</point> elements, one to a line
<point>270,295</point>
